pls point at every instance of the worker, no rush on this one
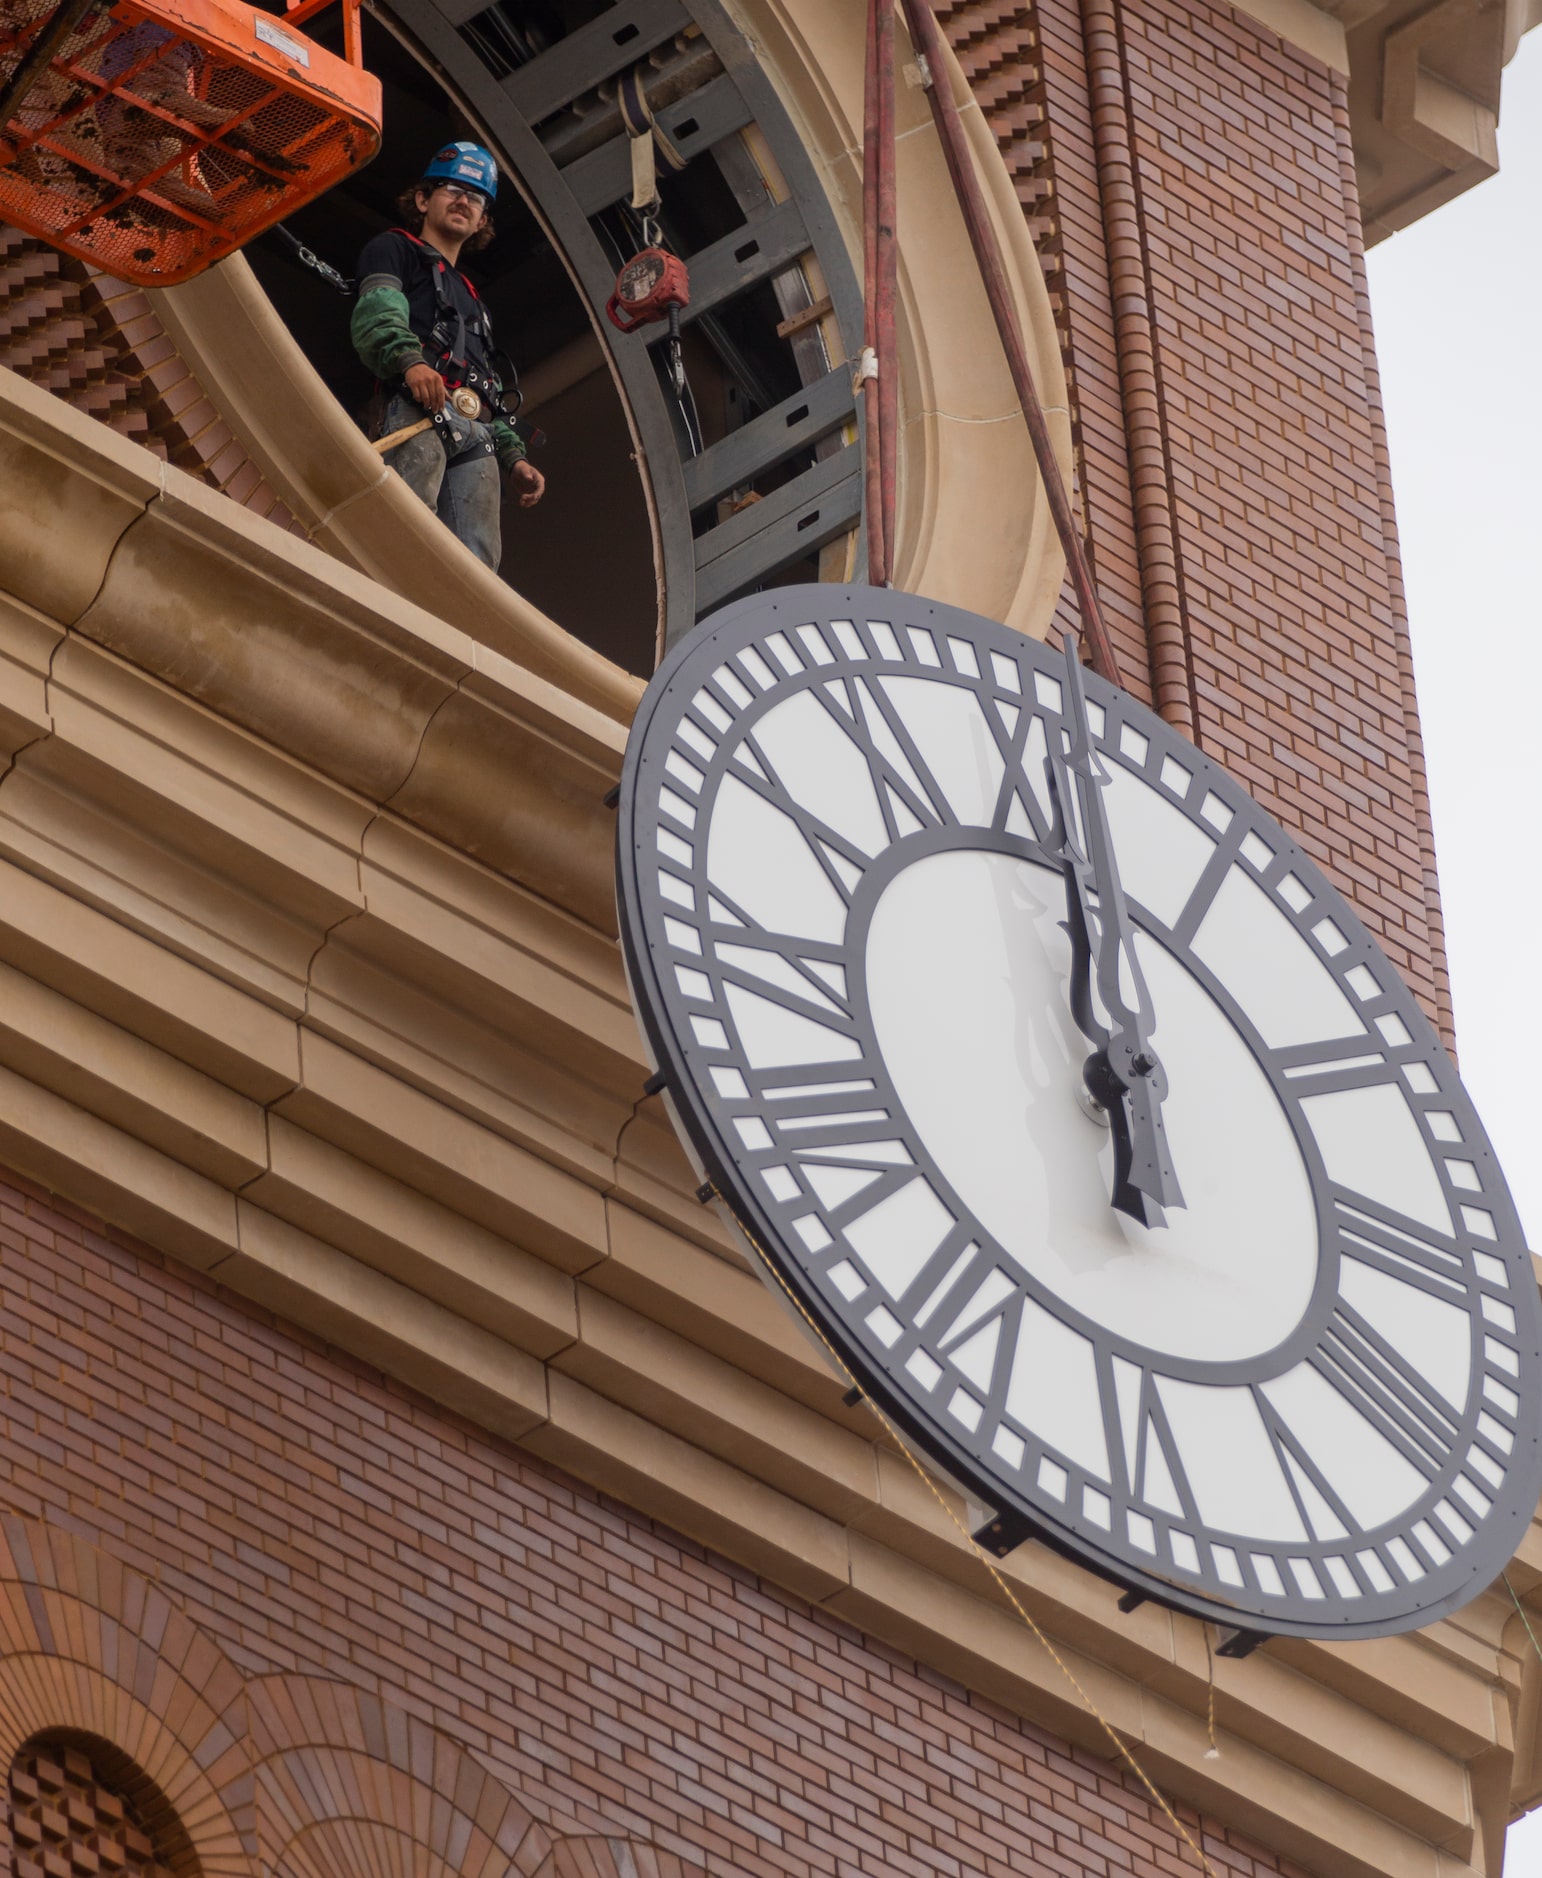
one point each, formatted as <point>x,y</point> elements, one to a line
<point>423,330</point>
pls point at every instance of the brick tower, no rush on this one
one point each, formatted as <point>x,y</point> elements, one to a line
<point>401,1471</point>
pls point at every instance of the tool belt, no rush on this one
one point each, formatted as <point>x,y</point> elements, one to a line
<point>461,397</point>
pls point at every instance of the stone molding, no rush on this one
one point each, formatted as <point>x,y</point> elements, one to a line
<point>297,1776</point>
<point>345,499</point>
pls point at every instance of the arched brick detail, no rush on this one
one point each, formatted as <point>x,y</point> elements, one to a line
<point>593,1856</point>
<point>363,1849</point>
<point>87,1645</point>
<point>345,1782</point>
<point>297,1776</point>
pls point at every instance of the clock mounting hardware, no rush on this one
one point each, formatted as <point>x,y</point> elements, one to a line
<point>1306,1401</point>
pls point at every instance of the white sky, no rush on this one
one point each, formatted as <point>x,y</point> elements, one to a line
<point>1458,308</point>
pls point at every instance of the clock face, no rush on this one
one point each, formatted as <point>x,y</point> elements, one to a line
<point>1307,1402</point>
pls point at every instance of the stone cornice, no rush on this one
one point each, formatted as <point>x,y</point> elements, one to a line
<point>1424,85</point>
<point>308,980</point>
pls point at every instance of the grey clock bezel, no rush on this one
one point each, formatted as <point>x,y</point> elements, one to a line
<point>706,1119</point>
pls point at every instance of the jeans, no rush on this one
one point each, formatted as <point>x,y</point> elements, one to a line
<point>467,496</point>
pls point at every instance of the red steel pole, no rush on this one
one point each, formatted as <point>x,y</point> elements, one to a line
<point>927,39</point>
<point>886,283</point>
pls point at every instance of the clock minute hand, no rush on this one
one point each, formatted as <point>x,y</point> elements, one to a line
<point>1135,1126</point>
<point>1081,903</point>
<point>1124,1072</point>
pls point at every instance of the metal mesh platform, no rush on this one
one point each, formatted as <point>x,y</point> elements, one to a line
<point>155,137</point>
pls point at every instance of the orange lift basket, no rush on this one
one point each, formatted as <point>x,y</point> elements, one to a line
<point>151,137</point>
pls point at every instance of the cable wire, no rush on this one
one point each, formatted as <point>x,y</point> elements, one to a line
<point>1125,1752</point>
<point>1524,1618</point>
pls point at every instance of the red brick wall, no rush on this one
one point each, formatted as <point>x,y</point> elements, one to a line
<point>312,1516</point>
<point>1213,160</point>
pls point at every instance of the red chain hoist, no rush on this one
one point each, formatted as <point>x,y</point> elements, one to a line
<point>654,284</point>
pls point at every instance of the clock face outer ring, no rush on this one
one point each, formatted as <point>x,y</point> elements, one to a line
<point>1396,1596</point>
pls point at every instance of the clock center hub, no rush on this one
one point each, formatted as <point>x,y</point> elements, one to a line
<point>967,967</point>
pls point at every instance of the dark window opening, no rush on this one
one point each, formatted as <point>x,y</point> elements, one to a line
<point>739,364</point>
<point>585,554</point>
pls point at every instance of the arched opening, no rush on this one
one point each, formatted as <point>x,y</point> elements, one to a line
<point>590,556</point>
<point>764,104</point>
<point>585,555</point>
<point>78,1803</point>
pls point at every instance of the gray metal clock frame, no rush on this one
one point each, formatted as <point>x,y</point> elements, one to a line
<point>708,1118</point>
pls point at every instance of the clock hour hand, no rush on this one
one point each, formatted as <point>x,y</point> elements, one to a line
<point>1132,1103</point>
<point>1124,1073</point>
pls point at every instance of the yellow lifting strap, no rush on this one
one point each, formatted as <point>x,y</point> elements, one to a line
<point>646,135</point>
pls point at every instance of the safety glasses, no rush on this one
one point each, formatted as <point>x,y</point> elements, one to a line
<point>457,192</point>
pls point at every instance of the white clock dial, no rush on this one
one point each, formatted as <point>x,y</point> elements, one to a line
<point>1304,1401</point>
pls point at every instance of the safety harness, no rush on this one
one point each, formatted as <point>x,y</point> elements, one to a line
<point>445,350</point>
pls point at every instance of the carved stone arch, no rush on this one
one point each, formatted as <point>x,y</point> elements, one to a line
<point>87,1647</point>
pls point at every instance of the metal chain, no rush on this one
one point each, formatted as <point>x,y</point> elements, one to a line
<point>307,257</point>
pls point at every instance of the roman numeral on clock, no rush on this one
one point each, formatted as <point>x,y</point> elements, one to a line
<point>908,794</point>
<point>1209,884</point>
<point>1141,1446</point>
<point>1324,1069</point>
<point>841,860</point>
<point>1323,1512</point>
<point>1386,1387</point>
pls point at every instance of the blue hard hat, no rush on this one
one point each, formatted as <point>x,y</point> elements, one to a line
<point>465,163</point>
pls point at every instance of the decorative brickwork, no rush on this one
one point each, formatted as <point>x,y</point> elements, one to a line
<point>1232,454</point>
<point>1026,65</point>
<point>95,342</point>
<point>998,45</point>
<point>93,1653</point>
<point>432,1624</point>
<point>1396,595</point>
<point>288,1775</point>
<point>74,1813</point>
<point>346,1784</point>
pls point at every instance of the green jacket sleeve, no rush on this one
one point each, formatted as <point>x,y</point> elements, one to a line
<point>506,441</point>
<point>381,334</point>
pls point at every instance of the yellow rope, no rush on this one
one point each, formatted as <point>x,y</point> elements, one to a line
<point>985,1558</point>
<point>1213,1752</point>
